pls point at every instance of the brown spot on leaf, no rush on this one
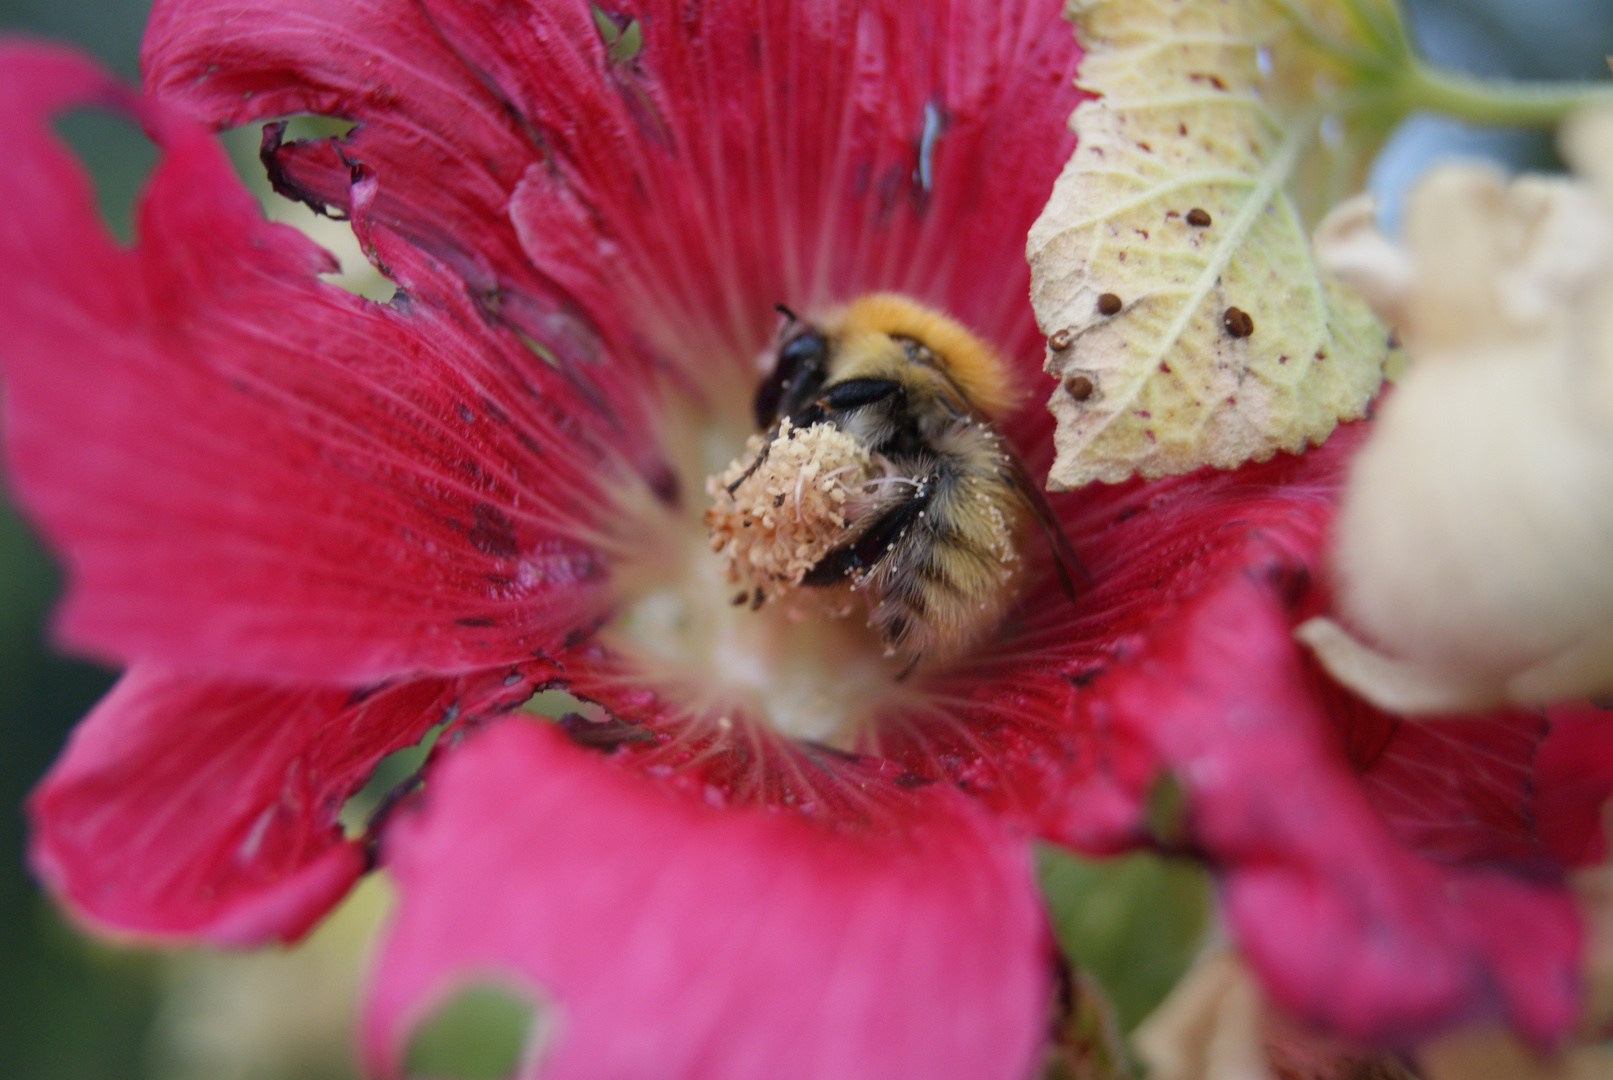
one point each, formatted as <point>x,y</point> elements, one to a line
<point>1238,322</point>
<point>1198,216</point>
<point>1079,387</point>
<point>1109,304</point>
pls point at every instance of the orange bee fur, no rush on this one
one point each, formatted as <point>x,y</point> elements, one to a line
<point>974,367</point>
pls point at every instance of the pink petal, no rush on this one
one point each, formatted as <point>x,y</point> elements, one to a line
<point>678,940</point>
<point>251,473</point>
<point>749,153</point>
<point>1349,927</point>
<point>445,149</point>
<point>184,808</point>
<point>1020,728</point>
<point>1573,781</point>
<point>1461,790</point>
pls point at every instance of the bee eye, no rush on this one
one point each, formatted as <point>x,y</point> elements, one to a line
<point>796,376</point>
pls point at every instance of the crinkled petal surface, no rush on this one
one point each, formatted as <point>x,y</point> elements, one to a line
<point>675,939</point>
<point>250,472</point>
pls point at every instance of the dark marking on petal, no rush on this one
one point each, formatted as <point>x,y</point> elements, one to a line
<point>664,483</point>
<point>1083,678</point>
<point>1291,580</point>
<point>602,734</point>
<point>493,533</point>
<point>474,620</point>
<point>363,694</point>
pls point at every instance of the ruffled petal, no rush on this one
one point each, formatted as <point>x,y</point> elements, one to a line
<point>1349,927</point>
<point>743,154</point>
<point>185,808</point>
<point>1461,790</point>
<point>1386,879</point>
<point>253,474</point>
<point>673,939</point>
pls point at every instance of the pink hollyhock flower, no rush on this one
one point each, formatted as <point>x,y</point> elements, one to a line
<point>313,527</point>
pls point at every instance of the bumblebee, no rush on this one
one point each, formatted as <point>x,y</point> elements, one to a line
<point>934,537</point>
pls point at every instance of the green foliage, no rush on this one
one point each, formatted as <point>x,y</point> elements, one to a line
<point>68,1008</point>
<point>1133,923</point>
<point>480,1033</point>
<point>622,43</point>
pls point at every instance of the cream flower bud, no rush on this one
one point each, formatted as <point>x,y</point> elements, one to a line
<point>1474,550</point>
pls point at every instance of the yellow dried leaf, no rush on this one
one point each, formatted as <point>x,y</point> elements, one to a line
<point>1189,324</point>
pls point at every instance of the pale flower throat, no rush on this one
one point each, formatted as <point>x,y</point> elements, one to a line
<point>711,616</point>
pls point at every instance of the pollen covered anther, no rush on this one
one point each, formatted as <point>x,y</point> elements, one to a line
<point>792,508</point>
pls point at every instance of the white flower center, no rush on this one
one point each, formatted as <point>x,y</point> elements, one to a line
<point>697,636</point>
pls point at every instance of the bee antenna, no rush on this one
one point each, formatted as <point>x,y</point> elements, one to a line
<point>786,312</point>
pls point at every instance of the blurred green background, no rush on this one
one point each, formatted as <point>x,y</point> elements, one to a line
<point>71,1009</point>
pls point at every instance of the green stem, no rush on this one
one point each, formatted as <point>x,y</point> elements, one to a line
<point>1494,103</point>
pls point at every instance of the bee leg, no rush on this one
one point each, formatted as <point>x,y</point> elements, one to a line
<point>873,544</point>
<point>757,464</point>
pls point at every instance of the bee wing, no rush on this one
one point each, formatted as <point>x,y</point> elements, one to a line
<point>1030,492</point>
<point>1065,559</point>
